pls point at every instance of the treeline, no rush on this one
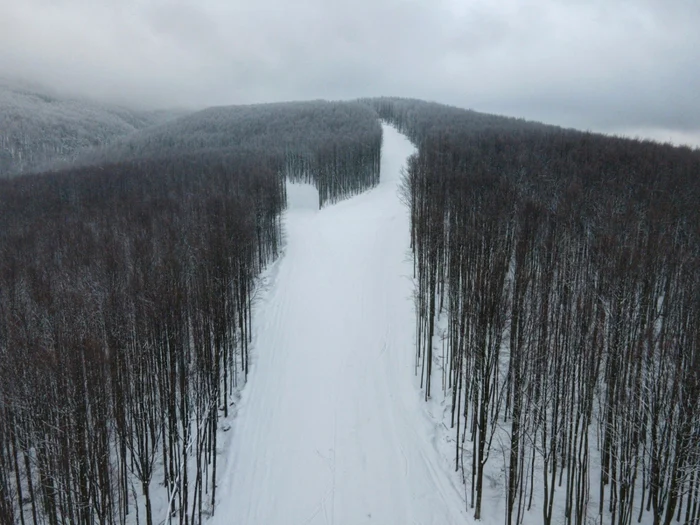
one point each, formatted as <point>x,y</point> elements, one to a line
<point>566,268</point>
<point>126,293</point>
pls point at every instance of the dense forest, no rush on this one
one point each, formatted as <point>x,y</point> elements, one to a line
<point>126,290</point>
<point>38,127</point>
<point>557,296</point>
<point>558,292</point>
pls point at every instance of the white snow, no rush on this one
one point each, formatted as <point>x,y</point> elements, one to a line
<point>331,427</point>
<point>301,197</point>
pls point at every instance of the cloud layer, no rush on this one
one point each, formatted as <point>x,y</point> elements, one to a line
<point>627,66</point>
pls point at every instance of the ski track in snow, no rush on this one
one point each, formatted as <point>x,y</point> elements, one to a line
<point>331,428</point>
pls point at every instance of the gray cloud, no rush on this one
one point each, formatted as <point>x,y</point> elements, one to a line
<point>624,66</point>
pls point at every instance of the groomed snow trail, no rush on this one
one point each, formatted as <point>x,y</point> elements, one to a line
<point>331,427</point>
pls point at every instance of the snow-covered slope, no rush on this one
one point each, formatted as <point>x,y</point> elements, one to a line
<point>331,427</point>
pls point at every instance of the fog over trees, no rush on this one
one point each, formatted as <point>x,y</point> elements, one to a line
<point>38,127</point>
<point>566,266</point>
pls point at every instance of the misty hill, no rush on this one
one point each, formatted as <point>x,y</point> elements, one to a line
<point>274,128</point>
<point>38,127</point>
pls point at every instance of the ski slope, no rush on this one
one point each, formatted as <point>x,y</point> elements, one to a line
<point>331,428</point>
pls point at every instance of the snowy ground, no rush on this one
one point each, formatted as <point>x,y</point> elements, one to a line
<point>331,427</point>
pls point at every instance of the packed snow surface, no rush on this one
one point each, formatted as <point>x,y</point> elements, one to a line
<point>331,428</point>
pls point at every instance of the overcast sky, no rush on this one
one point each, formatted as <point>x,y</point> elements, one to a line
<point>626,66</point>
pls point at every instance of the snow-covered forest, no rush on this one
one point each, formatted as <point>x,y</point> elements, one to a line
<point>555,341</point>
<point>125,308</point>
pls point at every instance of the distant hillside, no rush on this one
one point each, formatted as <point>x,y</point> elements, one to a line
<point>333,145</point>
<point>38,128</point>
<point>273,128</point>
